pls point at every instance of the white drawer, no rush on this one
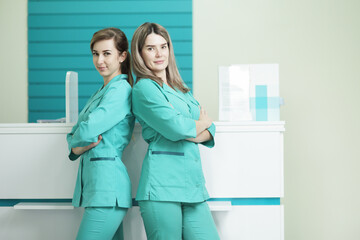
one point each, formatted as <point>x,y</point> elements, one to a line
<point>244,164</point>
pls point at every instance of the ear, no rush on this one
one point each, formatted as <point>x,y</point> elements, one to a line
<point>123,56</point>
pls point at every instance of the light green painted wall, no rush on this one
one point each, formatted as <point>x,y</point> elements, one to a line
<point>317,45</point>
<point>13,61</point>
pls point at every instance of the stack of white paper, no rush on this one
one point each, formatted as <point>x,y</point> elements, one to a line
<point>234,93</point>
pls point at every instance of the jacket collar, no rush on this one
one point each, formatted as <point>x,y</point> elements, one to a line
<point>102,90</point>
<point>172,91</point>
<point>183,96</point>
<point>117,78</point>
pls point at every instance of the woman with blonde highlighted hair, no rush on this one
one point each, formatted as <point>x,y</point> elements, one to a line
<point>139,67</point>
<point>171,192</point>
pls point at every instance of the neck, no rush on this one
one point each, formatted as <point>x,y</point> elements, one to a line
<point>107,79</point>
<point>162,75</point>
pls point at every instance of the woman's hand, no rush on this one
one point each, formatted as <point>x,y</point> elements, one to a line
<point>205,118</point>
<point>202,137</point>
<point>203,123</point>
<point>81,150</point>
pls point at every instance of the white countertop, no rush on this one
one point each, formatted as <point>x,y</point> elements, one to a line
<point>243,126</point>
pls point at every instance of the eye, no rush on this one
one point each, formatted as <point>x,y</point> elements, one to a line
<point>107,53</point>
<point>95,54</point>
<point>150,48</point>
<point>164,47</point>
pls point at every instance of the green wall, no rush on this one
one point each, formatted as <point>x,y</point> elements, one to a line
<point>317,46</point>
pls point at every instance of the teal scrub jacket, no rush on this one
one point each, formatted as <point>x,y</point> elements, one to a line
<point>102,178</point>
<point>171,170</point>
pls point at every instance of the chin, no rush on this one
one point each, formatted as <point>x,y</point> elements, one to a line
<point>159,69</point>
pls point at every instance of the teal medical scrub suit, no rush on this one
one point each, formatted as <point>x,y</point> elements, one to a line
<point>171,170</point>
<point>102,179</point>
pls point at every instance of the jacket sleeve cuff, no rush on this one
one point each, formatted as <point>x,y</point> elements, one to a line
<point>73,156</point>
<point>210,143</point>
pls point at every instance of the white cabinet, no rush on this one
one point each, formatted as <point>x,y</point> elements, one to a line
<point>34,162</point>
<point>246,166</point>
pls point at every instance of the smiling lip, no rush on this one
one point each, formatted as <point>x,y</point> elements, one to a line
<point>102,68</point>
<point>159,62</point>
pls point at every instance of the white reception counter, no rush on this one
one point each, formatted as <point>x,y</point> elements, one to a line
<point>243,172</point>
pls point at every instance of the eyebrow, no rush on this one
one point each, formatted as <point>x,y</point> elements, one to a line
<point>155,45</point>
<point>107,50</point>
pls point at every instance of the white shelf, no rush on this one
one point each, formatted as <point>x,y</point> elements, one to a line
<point>35,128</point>
<point>219,205</point>
<point>250,126</point>
<point>43,206</point>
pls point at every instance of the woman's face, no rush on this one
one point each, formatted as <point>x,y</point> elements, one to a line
<point>155,54</point>
<point>107,59</point>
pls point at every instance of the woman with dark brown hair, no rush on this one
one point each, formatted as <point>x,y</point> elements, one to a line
<point>102,132</point>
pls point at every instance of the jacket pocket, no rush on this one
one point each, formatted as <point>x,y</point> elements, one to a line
<point>99,175</point>
<point>167,153</point>
<point>167,169</point>
<point>102,159</point>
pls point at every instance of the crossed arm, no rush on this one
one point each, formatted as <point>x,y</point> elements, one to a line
<point>204,122</point>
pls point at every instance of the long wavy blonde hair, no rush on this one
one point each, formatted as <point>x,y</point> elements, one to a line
<point>141,71</point>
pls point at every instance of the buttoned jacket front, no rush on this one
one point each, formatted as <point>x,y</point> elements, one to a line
<point>102,177</point>
<point>171,170</point>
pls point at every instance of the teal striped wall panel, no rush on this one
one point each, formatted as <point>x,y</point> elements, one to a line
<point>87,76</point>
<point>178,34</point>
<point>81,62</point>
<point>59,33</point>
<point>81,49</point>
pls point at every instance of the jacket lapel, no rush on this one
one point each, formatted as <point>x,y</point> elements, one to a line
<point>191,98</point>
<point>169,90</point>
<point>101,91</point>
<point>185,97</point>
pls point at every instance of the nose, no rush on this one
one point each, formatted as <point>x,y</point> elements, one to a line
<point>158,52</point>
<point>100,59</point>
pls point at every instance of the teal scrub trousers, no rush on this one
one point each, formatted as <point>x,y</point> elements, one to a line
<point>102,223</point>
<point>176,221</point>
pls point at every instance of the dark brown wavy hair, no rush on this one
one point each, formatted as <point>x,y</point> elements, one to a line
<point>121,44</point>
